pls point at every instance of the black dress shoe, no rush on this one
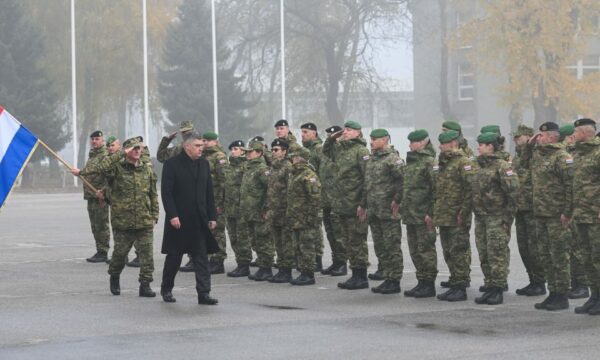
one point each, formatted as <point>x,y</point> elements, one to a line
<point>205,299</point>
<point>115,288</point>
<point>97,257</point>
<point>189,267</point>
<point>376,276</point>
<point>167,296</point>
<point>145,290</point>
<point>242,270</point>
<point>134,263</point>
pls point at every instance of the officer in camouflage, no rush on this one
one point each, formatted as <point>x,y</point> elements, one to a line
<point>552,179</point>
<point>452,125</point>
<point>494,186</point>
<point>303,205</point>
<point>417,206</point>
<point>217,159</point>
<point>383,191</point>
<point>452,212</point>
<point>165,152</point>
<point>348,200</point>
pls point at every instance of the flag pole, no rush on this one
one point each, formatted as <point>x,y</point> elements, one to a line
<point>53,153</point>
<point>73,87</point>
<point>214,59</point>
<point>145,41</point>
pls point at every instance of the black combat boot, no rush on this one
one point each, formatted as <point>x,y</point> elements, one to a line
<point>546,301</point>
<point>167,295</point>
<point>284,275</point>
<point>145,290</point>
<point>253,263</point>
<point>218,267</point>
<point>411,292</point>
<point>358,280</point>
<point>115,287</point>
<point>445,294</point>
<point>262,274</point>
<point>305,278</point>
<point>340,269</point>
<point>446,284</point>
<point>393,287</point>
<point>560,302</point>
<point>134,263</point>
<point>378,289</point>
<point>578,291</point>
<point>589,304</point>
<point>459,294</point>
<point>426,290</point>
<point>485,288</point>
<point>496,298</point>
<point>377,275</point>
<point>524,290</point>
<point>242,270</point>
<point>98,257</point>
<point>205,299</point>
<point>327,271</point>
<point>318,264</point>
<point>536,289</point>
<point>189,267</point>
<point>595,308</point>
<point>484,298</point>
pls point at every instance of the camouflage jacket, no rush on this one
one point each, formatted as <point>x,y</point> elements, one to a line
<point>233,181</point>
<point>292,142</point>
<point>218,162</point>
<point>383,182</point>
<point>586,182</point>
<point>494,186</point>
<point>453,196</point>
<point>464,146</point>
<point>327,172</point>
<point>418,185</point>
<point>165,152</point>
<point>303,197</point>
<point>316,150</point>
<point>350,157</point>
<point>253,190</point>
<point>277,191</point>
<point>552,179</point>
<point>96,179</point>
<point>521,164</point>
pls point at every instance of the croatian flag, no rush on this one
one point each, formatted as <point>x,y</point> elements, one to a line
<point>16,146</point>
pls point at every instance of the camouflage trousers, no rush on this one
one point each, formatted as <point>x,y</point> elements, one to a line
<point>124,240</point>
<point>338,251</point>
<point>555,244</point>
<point>219,235</point>
<point>421,245</point>
<point>491,240</point>
<point>528,246</point>
<point>578,271</point>
<point>589,239</point>
<point>319,241</point>
<point>100,224</point>
<point>238,238</point>
<point>262,242</point>
<point>457,253</point>
<point>387,237</point>
<point>304,240</point>
<point>353,234</point>
<point>284,246</point>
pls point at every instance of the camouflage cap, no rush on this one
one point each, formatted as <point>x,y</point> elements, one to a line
<point>418,135</point>
<point>111,139</point>
<point>353,125</point>
<point>448,136</point>
<point>186,126</point>
<point>523,129</point>
<point>210,135</point>
<point>566,130</point>
<point>132,143</point>
<point>487,138</point>
<point>255,146</point>
<point>451,125</point>
<point>491,129</point>
<point>379,133</point>
<point>301,152</point>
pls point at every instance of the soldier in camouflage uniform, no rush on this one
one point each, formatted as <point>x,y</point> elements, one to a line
<point>282,132</point>
<point>253,207</point>
<point>501,151</point>
<point>235,228</point>
<point>524,218</point>
<point>348,200</point>
<point>97,208</point>
<point>552,179</point>
<point>314,144</point>
<point>217,159</point>
<point>266,152</point>
<point>494,187</point>
<point>134,212</point>
<point>165,152</point>
<point>462,142</point>
<point>579,282</point>
<point>417,205</point>
<point>383,191</point>
<point>586,208</point>
<point>276,215</point>
<point>452,212</point>
<point>303,205</point>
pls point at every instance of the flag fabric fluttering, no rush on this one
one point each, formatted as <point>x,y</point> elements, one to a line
<point>17,144</point>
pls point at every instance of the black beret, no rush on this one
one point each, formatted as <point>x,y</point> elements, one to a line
<point>238,143</point>
<point>96,133</point>
<point>582,122</point>
<point>282,122</point>
<point>549,126</point>
<point>279,142</point>
<point>257,138</point>
<point>309,126</point>
<point>333,129</point>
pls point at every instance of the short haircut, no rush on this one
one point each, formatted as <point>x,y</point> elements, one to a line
<point>191,136</point>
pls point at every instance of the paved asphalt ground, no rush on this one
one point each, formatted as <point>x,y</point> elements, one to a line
<point>54,305</point>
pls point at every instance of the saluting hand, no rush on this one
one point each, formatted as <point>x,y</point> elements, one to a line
<point>172,135</point>
<point>175,223</point>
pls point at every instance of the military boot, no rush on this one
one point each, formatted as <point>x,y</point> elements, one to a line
<point>484,298</point>
<point>546,301</point>
<point>217,267</point>
<point>578,291</point>
<point>536,289</point>
<point>145,290</point>
<point>446,284</point>
<point>459,294</point>
<point>377,275</point>
<point>134,263</point>
<point>167,295</point>
<point>560,302</point>
<point>205,299</point>
<point>524,290</point>
<point>284,275</point>
<point>595,308</point>
<point>253,264</point>
<point>98,257</point>
<point>445,294</point>
<point>262,274</point>
<point>115,287</point>
<point>392,288</point>
<point>485,288</point>
<point>327,271</point>
<point>496,298</point>
<point>426,290</point>
<point>358,280</point>
<point>378,289</point>
<point>411,292</point>
<point>340,269</point>
<point>318,264</point>
<point>242,270</point>
<point>305,278</point>
<point>590,303</point>
<point>189,267</point>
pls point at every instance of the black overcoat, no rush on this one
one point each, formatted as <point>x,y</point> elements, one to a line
<point>187,193</point>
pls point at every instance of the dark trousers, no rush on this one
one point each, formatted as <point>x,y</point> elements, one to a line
<point>172,264</point>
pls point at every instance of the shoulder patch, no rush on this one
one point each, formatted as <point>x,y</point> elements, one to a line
<point>399,162</point>
<point>467,167</point>
<point>436,167</point>
<point>313,179</point>
<point>569,160</point>
<point>509,172</point>
<point>222,161</point>
<point>366,157</point>
<point>267,173</point>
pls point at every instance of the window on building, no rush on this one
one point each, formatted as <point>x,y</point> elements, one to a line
<point>461,19</point>
<point>589,64</point>
<point>466,82</point>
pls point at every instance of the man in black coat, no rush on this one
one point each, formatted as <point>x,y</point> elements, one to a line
<point>187,196</point>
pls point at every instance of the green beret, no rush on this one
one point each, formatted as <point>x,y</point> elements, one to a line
<point>487,138</point>
<point>300,151</point>
<point>448,136</point>
<point>111,139</point>
<point>210,135</point>
<point>523,129</point>
<point>353,125</point>
<point>566,130</point>
<point>418,135</point>
<point>491,129</point>
<point>255,146</point>
<point>379,133</point>
<point>451,125</point>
